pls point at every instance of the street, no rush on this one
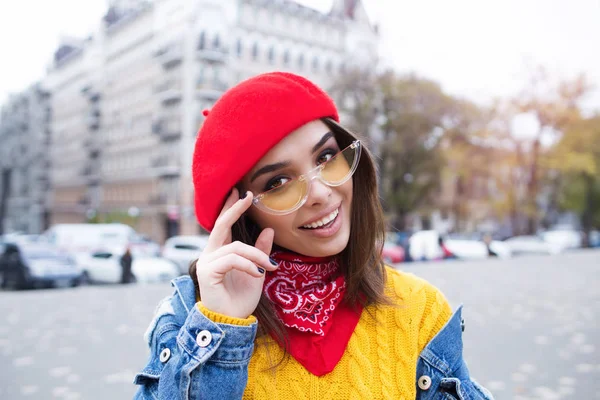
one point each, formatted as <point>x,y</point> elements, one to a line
<point>531,330</point>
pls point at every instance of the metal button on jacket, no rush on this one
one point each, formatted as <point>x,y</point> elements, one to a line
<point>462,324</point>
<point>165,354</point>
<point>424,382</point>
<point>204,338</point>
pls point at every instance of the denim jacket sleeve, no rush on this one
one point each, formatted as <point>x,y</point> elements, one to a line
<point>442,372</point>
<point>192,357</point>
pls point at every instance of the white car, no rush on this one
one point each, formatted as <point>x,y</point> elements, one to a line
<point>105,267</point>
<point>469,249</point>
<point>424,245</point>
<point>25,265</point>
<point>563,238</point>
<point>530,244</point>
<point>182,250</point>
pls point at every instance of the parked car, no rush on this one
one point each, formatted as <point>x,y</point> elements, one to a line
<point>104,266</point>
<point>26,265</point>
<point>424,245</point>
<point>473,247</point>
<point>28,239</point>
<point>143,245</point>
<point>466,249</point>
<point>530,244</point>
<point>85,238</point>
<point>594,239</point>
<point>182,250</point>
<point>563,238</point>
<point>392,253</point>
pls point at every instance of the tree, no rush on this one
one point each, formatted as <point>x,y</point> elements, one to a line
<point>577,158</point>
<point>403,117</point>
<point>415,112</point>
<point>555,107</point>
<point>358,99</point>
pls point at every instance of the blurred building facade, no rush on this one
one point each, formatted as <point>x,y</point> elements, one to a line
<point>24,161</point>
<point>127,101</point>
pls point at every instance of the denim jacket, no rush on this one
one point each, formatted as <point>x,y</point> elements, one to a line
<point>191,357</point>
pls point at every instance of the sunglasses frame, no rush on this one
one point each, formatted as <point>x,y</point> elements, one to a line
<point>311,175</point>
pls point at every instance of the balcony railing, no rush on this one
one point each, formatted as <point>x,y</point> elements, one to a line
<point>169,91</point>
<point>214,55</point>
<point>168,129</point>
<point>170,57</point>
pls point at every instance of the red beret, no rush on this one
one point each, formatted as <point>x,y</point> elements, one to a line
<point>244,124</point>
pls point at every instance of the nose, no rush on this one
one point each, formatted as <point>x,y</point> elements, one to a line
<point>318,193</point>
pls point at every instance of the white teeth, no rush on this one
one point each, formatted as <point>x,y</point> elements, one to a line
<point>323,221</point>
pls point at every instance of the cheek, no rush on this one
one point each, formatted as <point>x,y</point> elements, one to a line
<point>346,189</point>
<point>280,223</point>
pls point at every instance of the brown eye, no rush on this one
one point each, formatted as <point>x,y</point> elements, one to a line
<point>326,156</point>
<point>276,183</point>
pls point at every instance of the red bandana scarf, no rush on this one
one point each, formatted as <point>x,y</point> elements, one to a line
<point>307,293</point>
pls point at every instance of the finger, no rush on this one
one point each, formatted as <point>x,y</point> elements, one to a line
<point>220,232</point>
<point>249,252</point>
<point>224,223</point>
<point>221,266</point>
<point>231,199</point>
<point>264,242</point>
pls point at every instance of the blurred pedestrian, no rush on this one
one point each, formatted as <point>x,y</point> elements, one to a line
<point>487,240</point>
<point>291,294</point>
<point>126,261</point>
<point>446,253</point>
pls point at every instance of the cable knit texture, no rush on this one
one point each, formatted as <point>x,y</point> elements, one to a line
<point>380,361</point>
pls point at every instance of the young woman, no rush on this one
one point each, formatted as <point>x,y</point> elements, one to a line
<point>290,298</point>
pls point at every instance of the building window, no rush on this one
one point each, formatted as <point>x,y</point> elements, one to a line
<point>271,55</point>
<point>301,61</point>
<point>286,57</point>
<point>217,42</point>
<point>238,48</point>
<point>255,51</point>
<point>202,41</point>
<point>315,64</point>
<point>328,67</point>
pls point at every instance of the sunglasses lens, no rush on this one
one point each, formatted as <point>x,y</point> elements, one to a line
<point>340,167</point>
<point>285,197</point>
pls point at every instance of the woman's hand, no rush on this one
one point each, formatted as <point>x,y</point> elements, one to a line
<point>231,275</point>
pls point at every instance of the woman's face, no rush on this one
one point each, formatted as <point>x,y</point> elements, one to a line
<point>298,153</point>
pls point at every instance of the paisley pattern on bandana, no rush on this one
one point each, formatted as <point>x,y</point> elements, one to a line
<point>305,291</point>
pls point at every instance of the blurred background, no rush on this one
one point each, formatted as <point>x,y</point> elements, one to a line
<point>484,118</point>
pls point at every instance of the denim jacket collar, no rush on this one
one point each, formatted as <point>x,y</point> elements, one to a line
<point>184,287</point>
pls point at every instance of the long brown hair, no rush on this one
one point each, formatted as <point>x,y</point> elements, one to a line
<point>361,261</point>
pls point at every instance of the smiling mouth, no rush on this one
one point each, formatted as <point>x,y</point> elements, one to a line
<point>324,222</point>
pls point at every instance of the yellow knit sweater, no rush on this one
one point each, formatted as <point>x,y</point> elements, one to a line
<point>380,361</point>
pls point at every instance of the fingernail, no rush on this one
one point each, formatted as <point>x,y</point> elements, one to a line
<point>273,261</point>
<point>243,196</point>
<point>262,271</point>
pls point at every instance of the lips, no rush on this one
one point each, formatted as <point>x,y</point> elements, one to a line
<point>328,219</point>
<point>322,218</point>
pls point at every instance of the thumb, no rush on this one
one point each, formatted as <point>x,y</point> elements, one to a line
<point>265,241</point>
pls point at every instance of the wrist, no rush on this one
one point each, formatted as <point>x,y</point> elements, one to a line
<point>223,318</point>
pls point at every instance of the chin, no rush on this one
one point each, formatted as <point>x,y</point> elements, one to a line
<point>321,248</point>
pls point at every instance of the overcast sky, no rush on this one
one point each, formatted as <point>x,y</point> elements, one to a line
<point>475,48</point>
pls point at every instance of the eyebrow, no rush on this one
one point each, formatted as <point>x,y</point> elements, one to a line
<point>321,142</point>
<point>274,167</point>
